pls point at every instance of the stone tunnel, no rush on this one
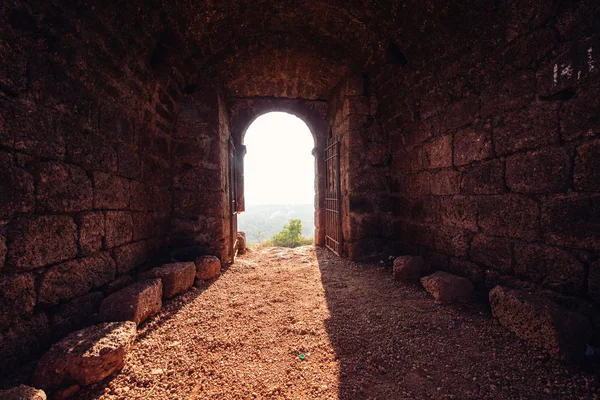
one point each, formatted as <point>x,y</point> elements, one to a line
<point>468,135</point>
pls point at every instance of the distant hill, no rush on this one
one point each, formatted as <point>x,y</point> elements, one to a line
<point>263,221</point>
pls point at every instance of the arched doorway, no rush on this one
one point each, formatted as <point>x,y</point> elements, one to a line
<point>279,178</point>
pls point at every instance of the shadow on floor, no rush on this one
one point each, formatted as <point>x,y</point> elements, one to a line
<point>394,342</point>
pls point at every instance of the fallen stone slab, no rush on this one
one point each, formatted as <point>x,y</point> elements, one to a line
<point>543,323</point>
<point>22,392</point>
<point>207,267</point>
<point>447,288</point>
<point>134,303</point>
<point>86,356</point>
<point>176,278</point>
<point>408,268</point>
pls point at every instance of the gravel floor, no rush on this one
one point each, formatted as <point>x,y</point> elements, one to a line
<point>363,336</point>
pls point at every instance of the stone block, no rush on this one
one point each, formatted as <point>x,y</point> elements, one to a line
<point>572,220</point>
<point>62,188</point>
<point>483,178</point>
<point>586,173</point>
<point>130,256</point>
<point>75,278</point>
<point>141,196</point>
<point>86,356</point>
<point>129,162</point>
<point>40,241</point>
<point>542,171</point>
<point>407,159</point>
<point>452,241</point>
<point>17,297</point>
<point>176,278</point>
<point>118,228</point>
<point>551,267</point>
<point>492,252</point>
<point>16,188</point>
<point>408,269</point>
<point>509,216</point>
<point>23,392</point>
<point>161,203</point>
<point>579,116</point>
<point>472,144</point>
<point>241,242</point>
<point>91,232</point>
<point>471,271</point>
<point>110,192</point>
<point>594,281</point>
<point>135,303</point>
<point>445,182</point>
<point>143,225</point>
<point>207,267</point>
<point>75,314</point>
<point>544,324</point>
<point>2,246</point>
<point>121,282</point>
<point>511,93</point>
<point>91,151</point>
<point>24,338</point>
<point>438,153</point>
<point>459,212</point>
<point>534,127</point>
<point>448,288</point>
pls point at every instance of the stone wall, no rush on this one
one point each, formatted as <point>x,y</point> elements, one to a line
<point>493,127</point>
<point>87,112</point>
<point>200,169</point>
<point>364,169</point>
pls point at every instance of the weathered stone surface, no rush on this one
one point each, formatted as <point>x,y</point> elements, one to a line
<point>408,268</point>
<point>17,297</point>
<point>141,196</point>
<point>207,267</point>
<point>509,216</point>
<point>594,281</point>
<point>62,188</point>
<point>77,313</point>
<point>447,288</point>
<point>40,241</point>
<point>492,252</point>
<point>143,225</point>
<point>119,283</point>
<point>586,173</point>
<point>472,145</point>
<point>533,127</point>
<point>86,356</point>
<point>541,322</point>
<point>542,171</point>
<point>130,256</point>
<point>118,228</point>
<point>468,269</point>
<point>91,151</point>
<point>134,303</point>
<point>579,116</point>
<point>438,153</point>
<point>2,245</point>
<point>24,338</point>
<point>551,267</point>
<point>572,220</point>
<point>453,241</point>
<point>75,278</point>
<point>460,212</point>
<point>176,278</point>
<point>483,178</point>
<point>446,182</point>
<point>16,188</point>
<point>129,162</point>
<point>91,232</point>
<point>23,392</point>
<point>110,192</point>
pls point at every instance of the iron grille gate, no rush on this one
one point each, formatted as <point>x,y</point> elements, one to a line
<point>333,220</point>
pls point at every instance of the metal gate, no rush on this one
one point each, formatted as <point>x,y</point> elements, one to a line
<point>333,218</point>
<point>232,199</point>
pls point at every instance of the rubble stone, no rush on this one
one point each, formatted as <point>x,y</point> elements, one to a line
<point>176,278</point>
<point>23,392</point>
<point>207,267</point>
<point>408,269</point>
<point>134,303</point>
<point>543,323</point>
<point>447,288</point>
<point>86,356</point>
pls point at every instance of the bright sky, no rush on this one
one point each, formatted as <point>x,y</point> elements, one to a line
<point>279,166</point>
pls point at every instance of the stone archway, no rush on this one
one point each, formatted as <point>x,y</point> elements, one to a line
<point>244,111</point>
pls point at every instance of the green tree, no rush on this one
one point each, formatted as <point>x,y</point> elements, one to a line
<point>291,235</point>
